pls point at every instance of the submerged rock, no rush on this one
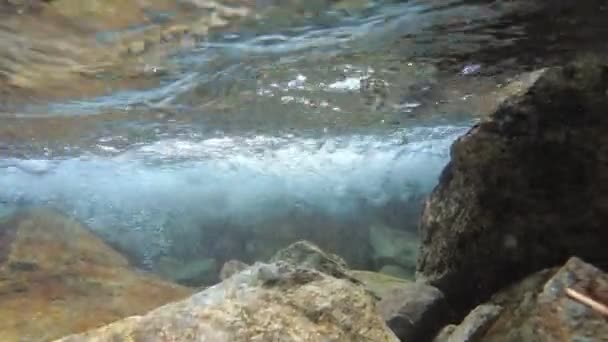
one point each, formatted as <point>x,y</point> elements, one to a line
<point>57,278</point>
<point>339,236</point>
<point>306,254</point>
<point>231,267</point>
<point>191,273</point>
<point>380,285</point>
<point>266,302</point>
<point>473,327</point>
<point>553,315</point>
<point>392,246</point>
<point>415,311</point>
<point>398,271</point>
<point>525,189</point>
<point>540,309</point>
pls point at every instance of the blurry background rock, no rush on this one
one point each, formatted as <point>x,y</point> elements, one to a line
<point>56,278</point>
<point>74,49</point>
<point>231,267</point>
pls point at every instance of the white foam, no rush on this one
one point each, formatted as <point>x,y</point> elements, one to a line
<point>347,84</point>
<point>246,179</point>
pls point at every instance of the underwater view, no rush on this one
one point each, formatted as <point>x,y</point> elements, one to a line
<point>321,170</point>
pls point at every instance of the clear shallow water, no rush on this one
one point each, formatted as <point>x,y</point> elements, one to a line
<point>315,115</point>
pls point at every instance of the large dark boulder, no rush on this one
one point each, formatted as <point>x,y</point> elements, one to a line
<point>525,189</point>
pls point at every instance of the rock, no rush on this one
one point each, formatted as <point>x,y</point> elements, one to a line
<point>57,278</point>
<point>297,304</point>
<point>231,267</point>
<point>98,36</point>
<point>535,310</point>
<point>398,271</point>
<point>191,273</point>
<point>393,246</point>
<point>380,285</point>
<point>473,327</point>
<point>306,254</point>
<point>539,309</point>
<point>445,333</point>
<point>347,239</point>
<point>415,312</point>
<point>525,188</point>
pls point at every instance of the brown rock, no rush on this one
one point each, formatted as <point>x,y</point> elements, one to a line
<point>57,278</point>
<point>266,302</point>
<point>544,312</point>
<point>525,188</point>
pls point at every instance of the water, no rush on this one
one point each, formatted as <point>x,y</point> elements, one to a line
<point>183,134</point>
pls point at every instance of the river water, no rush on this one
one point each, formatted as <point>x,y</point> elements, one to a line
<point>326,117</point>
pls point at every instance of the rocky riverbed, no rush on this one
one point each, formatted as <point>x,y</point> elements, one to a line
<point>303,171</point>
<point>535,301</point>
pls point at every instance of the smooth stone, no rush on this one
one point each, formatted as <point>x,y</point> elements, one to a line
<point>414,311</point>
